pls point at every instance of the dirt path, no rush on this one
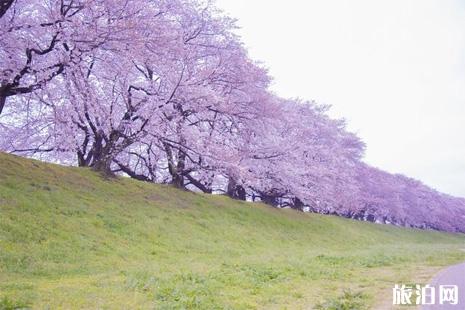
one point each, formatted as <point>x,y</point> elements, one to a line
<point>451,276</point>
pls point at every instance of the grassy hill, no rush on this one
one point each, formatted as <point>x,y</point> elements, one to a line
<point>70,239</point>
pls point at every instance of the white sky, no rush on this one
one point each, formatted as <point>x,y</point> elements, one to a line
<point>395,69</point>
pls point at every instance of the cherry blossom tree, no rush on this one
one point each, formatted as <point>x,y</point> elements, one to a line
<point>399,200</point>
<point>179,70</point>
<point>302,157</point>
<point>40,40</point>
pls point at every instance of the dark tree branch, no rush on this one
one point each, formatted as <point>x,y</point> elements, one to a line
<point>2,103</point>
<point>4,6</point>
<point>130,172</point>
<point>198,184</point>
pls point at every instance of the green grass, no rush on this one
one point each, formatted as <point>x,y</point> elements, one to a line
<point>70,239</point>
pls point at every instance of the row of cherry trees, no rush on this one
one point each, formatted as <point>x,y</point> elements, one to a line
<point>163,91</point>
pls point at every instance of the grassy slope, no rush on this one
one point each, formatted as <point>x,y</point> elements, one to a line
<point>69,239</point>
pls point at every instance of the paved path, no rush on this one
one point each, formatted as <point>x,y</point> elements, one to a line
<point>453,275</point>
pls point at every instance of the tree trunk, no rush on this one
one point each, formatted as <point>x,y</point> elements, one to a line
<point>82,162</point>
<point>297,204</point>
<point>177,170</point>
<point>235,190</point>
<point>103,166</point>
<point>178,181</point>
<point>102,158</point>
<point>270,199</point>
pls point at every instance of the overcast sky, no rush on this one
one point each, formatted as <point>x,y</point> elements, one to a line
<point>395,69</point>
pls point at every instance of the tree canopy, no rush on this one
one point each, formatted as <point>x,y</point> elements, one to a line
<point>164,91</point>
